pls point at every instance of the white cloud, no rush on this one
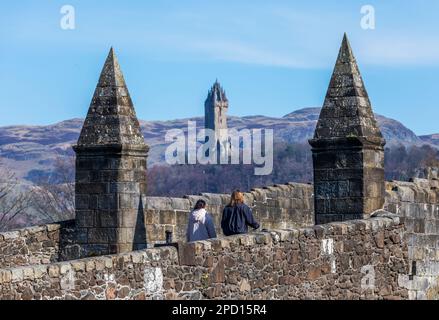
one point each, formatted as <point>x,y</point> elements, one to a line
<point>269,35</point>
<point>399,50</point>
<point>241,52</point>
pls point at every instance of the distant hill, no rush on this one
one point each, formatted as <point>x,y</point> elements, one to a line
<point>431,139</point>
<point>30,150</point>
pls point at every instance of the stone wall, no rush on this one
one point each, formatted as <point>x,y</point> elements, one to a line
<point>279,206</point>
<point>352,260</point>
<point>280,264</point>
<point>34,245</point>
<point>418,203</point>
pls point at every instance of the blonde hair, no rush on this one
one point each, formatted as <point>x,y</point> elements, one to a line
<point>236,198</point>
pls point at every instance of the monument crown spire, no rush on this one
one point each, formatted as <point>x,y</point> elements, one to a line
<point>217,93</point>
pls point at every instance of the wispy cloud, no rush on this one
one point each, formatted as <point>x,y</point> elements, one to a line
<point>397,50</point>
<point>268,34</point>
<point>239,52</point>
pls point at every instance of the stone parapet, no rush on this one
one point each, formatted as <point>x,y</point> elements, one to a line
<point>35,245</point>
<point>278,206</point>
<point>349,260</point>
<point>417,203</point>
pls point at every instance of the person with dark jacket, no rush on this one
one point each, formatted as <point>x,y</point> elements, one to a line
<point>237,216</point>
<point>200,225</point>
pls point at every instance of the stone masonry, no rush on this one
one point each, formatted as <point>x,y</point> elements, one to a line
<point>36,245</point>
<point>274,207</point>
<point>361,259</point>
<point>347,148</point>
<point>417,203</point>
<point>26,253</point>
<point>110,170</point>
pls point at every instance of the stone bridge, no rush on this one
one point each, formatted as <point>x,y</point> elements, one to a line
<point>351,235</point>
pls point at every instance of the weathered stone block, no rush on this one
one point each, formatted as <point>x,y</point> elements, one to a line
<point>152,216</point>
<point>108,201</point>
<point>54,271</point>
<point>78,265</point>
<point>91,188</point>
<point>167,217</point>
<point>99,235</point>
<point>64,268</point>
<point>89,265</point>
<point>187,253</point>
<point>218,273</point>
<point>81,235</point>
<point>263,238</point>
<point>247,240</point>
<point>10,235</point>
<point>17,275</point>
<point>108,219</point>
<point>82,201</point>
<point>5,276</point>
<point>124,187</point>
<point>86,218</point>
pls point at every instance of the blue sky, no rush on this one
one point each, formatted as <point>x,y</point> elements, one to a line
<point>272,57</point>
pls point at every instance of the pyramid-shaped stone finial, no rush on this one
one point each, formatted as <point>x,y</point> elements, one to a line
<point>111,169</point>
<point>347,111</point>
<point>111,118</point>
<point>348,153</point>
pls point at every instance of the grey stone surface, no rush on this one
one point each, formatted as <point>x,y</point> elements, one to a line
<point>312,263</point>
<point>110,170</point>
<point>347,148</point>
<point>280,206</point>
<point>417,203</point>
<point>111,118</point>
<point>35,245</point>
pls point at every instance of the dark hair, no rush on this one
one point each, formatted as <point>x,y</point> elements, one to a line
<point>200,204</point>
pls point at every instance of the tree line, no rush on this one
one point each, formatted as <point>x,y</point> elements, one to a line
<point>51,197</point>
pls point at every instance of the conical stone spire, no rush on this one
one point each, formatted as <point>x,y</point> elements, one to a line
<point>347,111</point>
<point>348,153</point>
<point>110,170</point>
<point>111,118</point>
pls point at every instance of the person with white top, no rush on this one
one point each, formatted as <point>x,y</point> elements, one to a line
<point>200,225</point>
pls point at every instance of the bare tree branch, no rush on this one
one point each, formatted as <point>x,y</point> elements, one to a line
<point>54,196</point>
<point>14,199</point>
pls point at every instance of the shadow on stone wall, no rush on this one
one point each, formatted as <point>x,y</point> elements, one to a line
<point>140,229</point>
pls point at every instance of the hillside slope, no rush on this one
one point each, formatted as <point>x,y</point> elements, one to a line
<point>30,150</point>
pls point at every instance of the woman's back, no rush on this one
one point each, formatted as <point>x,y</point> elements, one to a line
<point>236,218</point>
<point>200,225</point>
